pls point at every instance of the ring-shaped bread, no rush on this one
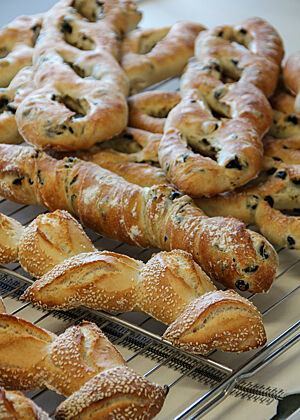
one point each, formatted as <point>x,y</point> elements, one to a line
<point>17,41</point>
<point>149,110</point>
<point>81,90</point>
<point>250,51</point>
<point>262,201</point>
<point>152,55</point>
<point>212,138</point>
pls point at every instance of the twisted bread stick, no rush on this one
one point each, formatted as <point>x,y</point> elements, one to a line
<point>15,406</point>
<point>65,363</point>
<point>81,90</point>
<point>148,217</point>
<point>170,287</point>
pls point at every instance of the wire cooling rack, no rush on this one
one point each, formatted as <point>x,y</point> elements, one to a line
<point>138,336</point>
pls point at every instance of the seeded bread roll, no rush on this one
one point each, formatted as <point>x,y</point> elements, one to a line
<point>10,233</point>
<point>62,363</point>
<point>209,314</point>
<point>162,287</point>
<point>66,362</point>
<point>114,393</point>
<point>158,216</point>
<point>165,288</point>
<point>50,239</point>
<point>15,406</point>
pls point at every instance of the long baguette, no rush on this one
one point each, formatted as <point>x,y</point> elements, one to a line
<point>148,217</point>
<point>67,362</point>
<point>171,287</point>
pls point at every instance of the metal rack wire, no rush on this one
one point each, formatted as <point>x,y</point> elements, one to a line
<point>140,340</point>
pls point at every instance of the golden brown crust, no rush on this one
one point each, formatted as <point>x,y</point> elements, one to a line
<point>15,406</point>
<point>221,320</point>
<point>204,155</point>
<point>76,356</point>
<point>81,90</point>
<point>16,46</point>
<point>167,287</point>
<point>152,55</point>
<point>10,233</point>
<point>50,239</point>
<point>67,362</point>
<point>149,110</point>
<point>133,155</point>
<point>258,63</point>
<point>158,217</point>
<point>212,138</point>
<point>61,363</point>
<point>99,280</point>
<point>10,98</point>
<point>116,391</point>
<point>260,202</point>
<point>22,370</point>
<point>104,280</point>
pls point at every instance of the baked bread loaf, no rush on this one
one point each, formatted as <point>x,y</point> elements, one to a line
<point>212,138</point>
<point>162,287</point>
<point>81,90</point>
<point>226,320</point>
<point>133,155</point>
<point>152,55</point>
<point>62,363</point>
<point>50,239</point>
<point>262,201</point>
<point>116,393</point>
<point>17,41</point>
<point>10,233</point>
<point>15,406</point>
<point>250,51</point>
<point>158,217</point>
<point>167,287</point>
<point>149,110</point>
<point>10,98</point>
<point>66,362</point>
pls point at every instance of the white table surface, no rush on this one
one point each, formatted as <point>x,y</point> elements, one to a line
<point>285,16</point>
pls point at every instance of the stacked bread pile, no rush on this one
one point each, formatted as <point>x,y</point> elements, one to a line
<point>141,169</point>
